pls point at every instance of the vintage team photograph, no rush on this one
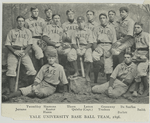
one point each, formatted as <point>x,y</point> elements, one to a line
<point>77,53</point>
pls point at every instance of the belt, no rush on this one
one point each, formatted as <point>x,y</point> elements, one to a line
<point>83,44</point>
<point>53,85</point>
<point>104,43</point>
<point>38,37</point>
<point>143,49</point>
<point>18,48</point>
<point>126,83</point>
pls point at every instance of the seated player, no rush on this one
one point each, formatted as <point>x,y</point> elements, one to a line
<point>19,43</point>
<point>82,42</point>
<point>120,80</point>
<point>104,37</point>
<point>125,34</point>
<point>52,35</point>
<point>141,57</point>
<point>46,81</point>
<point>69,28</point>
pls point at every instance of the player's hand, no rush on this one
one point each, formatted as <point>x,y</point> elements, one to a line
<point>18,53</point>
<point>79,52</point>
<point>57,45</point>
<point>35,84</point>
<point>107,54</point>
<point>116,44</point>
<point>23,54</point>
<point>110,89</point>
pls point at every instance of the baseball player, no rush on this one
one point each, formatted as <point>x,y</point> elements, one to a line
<point>113,22</point>
<point>69,28</point>
<point>91,24</point>
<point>48,13</point>
<point>141,57</point>
<point>46,81</point>
<point>52,35</point>
<point>125,36</point>
<point>82,42</point>
<point>104,37</point>
<point>36,25</point>
<point>120,80</point>
<point>19,42</point>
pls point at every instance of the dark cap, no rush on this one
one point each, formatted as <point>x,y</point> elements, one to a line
<point>124,8</point>
<point>80,19</point>
<point>52,53</point>
<point>70,10</point>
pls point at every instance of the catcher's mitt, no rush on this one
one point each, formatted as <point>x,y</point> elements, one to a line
<point>42,44</point>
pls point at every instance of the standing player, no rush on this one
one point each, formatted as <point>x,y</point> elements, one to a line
<point>85,39</point>
<point>104,37</point>
<point>141,56</point>
<point>113,22</point>
<point>46,81</point>
<point>19,42</point>
<point>36,25</point>
<point>48,13</point>
<point>52,35</point>
<point>69,28</point>
<point>91,24</point>
<point>125,38</point>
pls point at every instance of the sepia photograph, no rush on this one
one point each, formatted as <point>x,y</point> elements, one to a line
<point>75,53</point>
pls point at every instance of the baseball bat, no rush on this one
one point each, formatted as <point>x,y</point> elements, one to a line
<point>81,61</point>
<point>18,72</point>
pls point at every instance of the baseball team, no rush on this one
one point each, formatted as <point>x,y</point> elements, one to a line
<point>118,49</point>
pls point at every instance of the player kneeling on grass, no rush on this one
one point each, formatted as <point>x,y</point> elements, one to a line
<point>120,80</point>
<point>82,42</point>
<point>46,81</point>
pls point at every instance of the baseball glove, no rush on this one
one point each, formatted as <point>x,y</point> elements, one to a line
<point>42,44</point>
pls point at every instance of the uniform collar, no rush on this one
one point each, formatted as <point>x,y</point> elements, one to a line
<point>112,22</point>
<point>124,65</point>
<point>18,29</point>
<point>74,22</point>
<point>48,19</point>
<point>126,19</point>
<point>138,35</point>
<point>91,22</point>
<point>106,26</point>
<point>54,65</point>
<point>31,18</point>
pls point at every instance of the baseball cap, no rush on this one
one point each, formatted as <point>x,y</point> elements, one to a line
<point>52,53</point>
<point>80,19</point>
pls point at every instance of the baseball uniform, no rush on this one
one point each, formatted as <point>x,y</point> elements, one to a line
<point>36,26</point>
<point>48,21</point>
<point>19,38</point>
<point>104,37</point>
<point>84,37</point>
<point>121,73</point>
<point>91,25</point>
<point>115,24</point>
<point>68,31</point>
<point>142,48</point>
<point>54,33</point>
<point>48,78</point>
<point>126,27</point>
